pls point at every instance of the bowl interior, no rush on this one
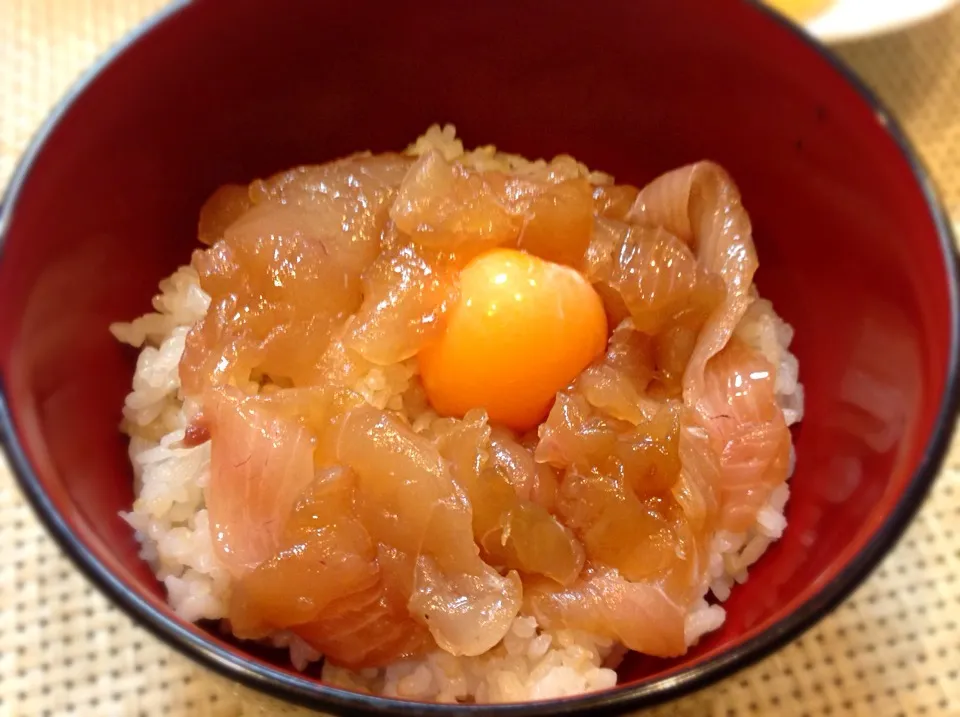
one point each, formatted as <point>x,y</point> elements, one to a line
<point>227,91</point>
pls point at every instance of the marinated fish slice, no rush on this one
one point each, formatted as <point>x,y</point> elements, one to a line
<point>297,584</point>
<point>522,535</point>
<point>512,462</point>
<point>369,630</point>
<point>571,435</point>
<point>408,291</point>
<point>326,555</point>
<point>649,453</point>
<point>617,383</point>
<point>290,266</point>
<point>332,585</point>
<point>464,444</point>
<point>700,204</point>
<point>644,455</point>
<point>467,613</point>
<point>695,494</point>
<point>334,632</point>
<point>285,296</point>
<point>614,201</point>
<point>747,431</point>
<point>764,331</point>
<point>349,200</point>
<point>639,616</point>
<point>362,183</point>
<point>546,485</point>
<point>617,528</point>
<point>500,477</point>
<point>650,274</point>
<point>227,204</point>
<point>376,627</point>
<point>260,463</point>
<point>557,217</point>
<point>673,348</point>
<point>446,206</point>
<point>407,499</point>
<point>696,488</point>
<point>405,493</point>
<point>218,351</point>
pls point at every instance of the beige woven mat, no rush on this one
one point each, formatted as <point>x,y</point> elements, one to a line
<point>894,649</point>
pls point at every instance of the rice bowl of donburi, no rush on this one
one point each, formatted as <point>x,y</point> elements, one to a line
<point>463,426</point>
<point>441,427</point>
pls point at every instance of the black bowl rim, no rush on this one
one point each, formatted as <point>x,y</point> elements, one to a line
<point>311,694</point>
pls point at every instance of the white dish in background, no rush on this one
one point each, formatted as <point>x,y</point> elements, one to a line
<point>854,19</point>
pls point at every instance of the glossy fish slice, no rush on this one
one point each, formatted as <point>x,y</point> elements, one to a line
<point>639,616</point>
<point>284,268</point>
<point>407,499</point>
<point>700,204</point>
<point>747,432</point>
<point>260,463</point>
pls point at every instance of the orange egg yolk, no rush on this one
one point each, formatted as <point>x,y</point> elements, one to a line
<point>522,330</point>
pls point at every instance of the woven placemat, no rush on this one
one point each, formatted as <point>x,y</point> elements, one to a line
<point>893,649</point>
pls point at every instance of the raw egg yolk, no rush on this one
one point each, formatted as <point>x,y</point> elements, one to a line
<point>522,329</point>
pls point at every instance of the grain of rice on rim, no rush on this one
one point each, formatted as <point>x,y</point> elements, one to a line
<point>172,527</point>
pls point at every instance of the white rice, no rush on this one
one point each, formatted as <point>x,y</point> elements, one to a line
<point>171,522</point>
<point>527,665</point>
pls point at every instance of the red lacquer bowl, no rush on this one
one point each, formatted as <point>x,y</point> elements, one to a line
<point>854,250</point>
